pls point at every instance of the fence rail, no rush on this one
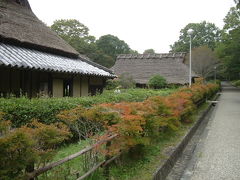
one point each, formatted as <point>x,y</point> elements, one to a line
<point>49,166</point>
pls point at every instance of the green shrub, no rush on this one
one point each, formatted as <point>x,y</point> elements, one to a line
<point>157,82</point>
<point>112,84</point>
<point>126,81</point>
<point>213,81</point>
<point>22,110</point>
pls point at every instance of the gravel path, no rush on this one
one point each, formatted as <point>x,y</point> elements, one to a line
<point>217,155</point>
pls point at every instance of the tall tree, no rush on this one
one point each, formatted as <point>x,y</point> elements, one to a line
<point>133,51</point>
<point>77,35</point>
<point>103,51</point>
<point>237,3</point>
<point>112,46</point>
<point>232,19</point>
<point>204,61</point>
<point>149,51</point>
<point>204,33</point>
<point>70,29</point>
<point>229,52</point>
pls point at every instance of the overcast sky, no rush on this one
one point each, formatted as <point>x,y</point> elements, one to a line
<point>142,24</point>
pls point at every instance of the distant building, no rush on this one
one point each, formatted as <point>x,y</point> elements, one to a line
<point>35,60</point>
<point>143,66</point>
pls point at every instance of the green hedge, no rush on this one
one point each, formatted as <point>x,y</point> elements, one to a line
<point>22,110</point>
<point>236,83</point>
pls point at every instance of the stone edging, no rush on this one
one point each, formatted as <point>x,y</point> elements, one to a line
<point>165,168</point>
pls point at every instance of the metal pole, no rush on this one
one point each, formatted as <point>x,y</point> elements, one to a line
<point>190,62</point>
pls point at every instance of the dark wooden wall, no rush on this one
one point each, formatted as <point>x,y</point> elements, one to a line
<point>29,83</point>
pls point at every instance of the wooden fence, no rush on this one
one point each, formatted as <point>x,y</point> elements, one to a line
<point>103,163</point>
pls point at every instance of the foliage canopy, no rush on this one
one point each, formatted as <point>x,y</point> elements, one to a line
<point>149,51</point>
<point>112,46</point>
<point>228,50</point>
<point>204,33</point>
<point>103,51</point>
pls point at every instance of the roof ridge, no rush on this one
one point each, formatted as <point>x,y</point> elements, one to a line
<point>152,56</point>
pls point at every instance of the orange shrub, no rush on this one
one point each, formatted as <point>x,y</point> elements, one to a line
<point>181,105</point>
<point>130,125</point>
<point>138,123</point>
<point>28,145</point>
<point>199,80</point>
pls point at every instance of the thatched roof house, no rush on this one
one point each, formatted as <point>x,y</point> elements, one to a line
<point>33,58</point>
<point>143,66</point>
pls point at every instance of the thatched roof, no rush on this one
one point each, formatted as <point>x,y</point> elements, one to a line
<point>20,26</point>
<point>143,66</point>
<point>26,42</point>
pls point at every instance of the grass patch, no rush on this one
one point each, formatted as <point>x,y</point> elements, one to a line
<point>127,168</point>
<point>143,168</point>
<point>70,169</point>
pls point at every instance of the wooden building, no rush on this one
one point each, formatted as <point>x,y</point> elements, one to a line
<point>35,61</point>
<point>143,66</point>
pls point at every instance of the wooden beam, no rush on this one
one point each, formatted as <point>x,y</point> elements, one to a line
<point>92,170</point>
<point>30,85</point>
<point>110,160</point>
<point>101,164</point>
<point>10,82</point>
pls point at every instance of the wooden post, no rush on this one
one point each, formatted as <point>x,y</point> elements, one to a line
<point>78,175</point>
<point>106,171</point>
<point>30,169</point>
